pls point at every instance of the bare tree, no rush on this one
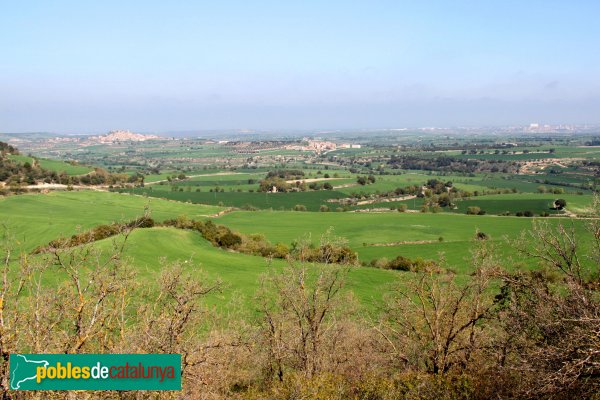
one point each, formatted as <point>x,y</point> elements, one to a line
<point>299,307</point>
<point>553,314</point>
<point>433,324</point>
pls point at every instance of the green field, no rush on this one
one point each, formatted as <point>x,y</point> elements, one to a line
<point>55,165</point>
<point>240,273</point>
<point>312,200</point>
<point>374,235</point>
<point>514,202</point>
<point>36,219</point>
<point>232,181</point>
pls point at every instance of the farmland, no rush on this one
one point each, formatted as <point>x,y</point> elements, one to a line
<point>236,233</point>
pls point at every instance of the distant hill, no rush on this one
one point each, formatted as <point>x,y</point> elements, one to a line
<point>122,136</point>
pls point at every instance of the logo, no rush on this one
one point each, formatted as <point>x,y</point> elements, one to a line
<point>95,372</point>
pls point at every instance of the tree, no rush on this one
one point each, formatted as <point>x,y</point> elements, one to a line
<point>559,204</point>
<point>266,185</point>
<point>551,317</point>
<point>96,308</point>
<point>434,324</point>
<point>299,325</point>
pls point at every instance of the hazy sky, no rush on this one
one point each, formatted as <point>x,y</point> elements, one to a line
<point>91,66</point>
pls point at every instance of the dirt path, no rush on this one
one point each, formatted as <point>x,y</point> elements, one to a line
<point>372,201</point>
<point>401,243</point>
<point>314,180</point>
<point>42,186</point>
<point>347,185</point>
<point>221,213</point>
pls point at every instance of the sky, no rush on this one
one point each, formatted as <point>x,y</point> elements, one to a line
<point>158,66</point>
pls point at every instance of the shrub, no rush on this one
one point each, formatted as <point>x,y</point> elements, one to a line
<point>481,235</point>
<point>400,263</point>
<point>229,240</point>
<point>473,210</point>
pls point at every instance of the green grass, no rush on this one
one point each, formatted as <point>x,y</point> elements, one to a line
<point>55,165</point>
<point>535,202</point>
<point>240,273</point>
<point>312,200</point>
<point>386,183</point>
<point>36,219</point>
<point>370,228</point>
<point>60,166</point>
<point>363,230</point>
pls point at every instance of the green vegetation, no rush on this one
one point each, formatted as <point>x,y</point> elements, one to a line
<point>292,294</point>
<point>36,219</point>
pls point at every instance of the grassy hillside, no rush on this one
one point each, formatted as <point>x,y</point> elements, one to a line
<point>38,218</point>
<point>240,273</point>
<point>55,165</point>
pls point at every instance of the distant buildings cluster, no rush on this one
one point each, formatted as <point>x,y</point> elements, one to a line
<point>321,146</point>
<point>123,136</point>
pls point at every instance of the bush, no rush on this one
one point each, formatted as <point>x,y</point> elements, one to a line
<point>299,207</point>
<point>473,210</point>
<point>142,222</point>
<point>400,263</point>
<point>481,235</point>
<point>229,240</point>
